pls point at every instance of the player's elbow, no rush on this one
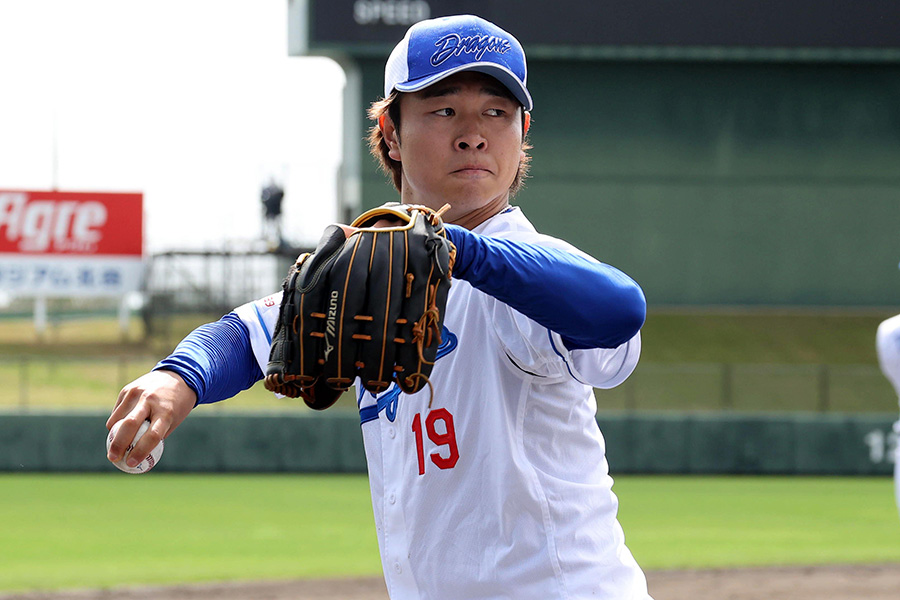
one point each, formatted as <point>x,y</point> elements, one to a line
<point>610,321</point>
<point>628,317</point>
<point>634,312</point>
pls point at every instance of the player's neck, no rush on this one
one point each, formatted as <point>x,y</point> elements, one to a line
<point>476,217</point>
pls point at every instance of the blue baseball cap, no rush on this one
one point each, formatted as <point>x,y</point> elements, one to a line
<point>437,48</point>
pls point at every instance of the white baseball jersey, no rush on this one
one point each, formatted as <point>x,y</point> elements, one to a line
<point>887,342</point>
<point>501,489</point>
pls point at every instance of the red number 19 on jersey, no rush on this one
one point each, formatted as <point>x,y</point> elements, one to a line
<point>447,437</point>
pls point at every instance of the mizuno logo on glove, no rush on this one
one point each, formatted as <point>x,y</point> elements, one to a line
<point>329,323</point>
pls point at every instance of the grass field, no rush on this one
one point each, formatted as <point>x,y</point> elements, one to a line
<point>76,531</point>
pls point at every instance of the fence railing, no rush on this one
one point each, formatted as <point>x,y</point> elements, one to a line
<point>752,387</point>
<point>30,382</point>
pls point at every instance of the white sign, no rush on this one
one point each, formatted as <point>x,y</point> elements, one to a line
<point>65,276</point>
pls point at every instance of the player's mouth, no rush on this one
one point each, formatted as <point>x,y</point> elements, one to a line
<point>472,171</point>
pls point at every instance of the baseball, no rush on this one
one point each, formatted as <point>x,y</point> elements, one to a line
<point>146,464</point>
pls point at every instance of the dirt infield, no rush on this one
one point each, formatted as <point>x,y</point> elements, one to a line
<point>869,582</point>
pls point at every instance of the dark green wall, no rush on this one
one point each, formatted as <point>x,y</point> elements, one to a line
<point>800,444</point>
<point>203,443</point>
<point>717,183</point>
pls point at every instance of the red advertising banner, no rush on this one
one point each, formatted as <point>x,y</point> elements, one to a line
<point>97,224</point>
<point>67,244</point>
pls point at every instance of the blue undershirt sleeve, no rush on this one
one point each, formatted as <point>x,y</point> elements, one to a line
<point>215,360</point>
<point>589,304</point>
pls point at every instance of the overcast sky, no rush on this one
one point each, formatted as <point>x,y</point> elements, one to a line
<point>195,103</point>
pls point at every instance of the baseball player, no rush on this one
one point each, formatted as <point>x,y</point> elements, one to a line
<point>887,342</point>
<point>501,488</point>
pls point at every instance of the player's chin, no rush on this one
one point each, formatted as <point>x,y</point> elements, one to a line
<point>468,190</point>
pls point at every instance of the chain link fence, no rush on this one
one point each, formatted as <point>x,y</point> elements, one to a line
<point>752,388</point>
<point>32,383</point>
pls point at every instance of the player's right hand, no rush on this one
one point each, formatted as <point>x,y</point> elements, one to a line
<point>163,398</point>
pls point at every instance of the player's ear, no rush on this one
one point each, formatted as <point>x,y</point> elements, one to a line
<point>526,124</point>
<point>390,136</point>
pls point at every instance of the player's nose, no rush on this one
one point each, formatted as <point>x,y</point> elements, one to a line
<point>470,136</point>
<point>471,140</point>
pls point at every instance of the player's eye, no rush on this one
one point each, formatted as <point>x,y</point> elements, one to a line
<point>495,112</point>
<point>444,112</point>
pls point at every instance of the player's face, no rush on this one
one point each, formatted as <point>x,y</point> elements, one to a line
<point>460,142</point>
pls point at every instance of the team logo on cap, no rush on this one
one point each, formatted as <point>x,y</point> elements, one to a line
<point>453,45</point>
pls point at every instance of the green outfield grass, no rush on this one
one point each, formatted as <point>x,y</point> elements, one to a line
<point>76,531</point>
<point>69,531</point>
<point>699,522</point>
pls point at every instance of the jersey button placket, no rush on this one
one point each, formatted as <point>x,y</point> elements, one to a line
<point>402,583</point>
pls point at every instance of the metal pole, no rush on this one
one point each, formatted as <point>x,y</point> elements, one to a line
<point>727,386</point>
<point>40,316</point>
<point>349,190</point>
<point>124,317</point>
<point>824,388</point>
<point>23,383</point>
<point>54,166</point>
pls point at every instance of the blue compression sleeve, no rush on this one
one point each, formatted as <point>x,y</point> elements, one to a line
<point>589,304</point>
<point>215,360</point>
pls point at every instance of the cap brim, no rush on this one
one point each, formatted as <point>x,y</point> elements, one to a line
<point>498,72</point>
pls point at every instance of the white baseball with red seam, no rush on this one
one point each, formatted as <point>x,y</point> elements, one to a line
<point>146,464</point>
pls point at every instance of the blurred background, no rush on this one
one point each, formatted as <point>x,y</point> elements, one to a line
<point>739,160</point>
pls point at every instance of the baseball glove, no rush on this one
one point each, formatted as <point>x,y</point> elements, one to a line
<point>370,305</point>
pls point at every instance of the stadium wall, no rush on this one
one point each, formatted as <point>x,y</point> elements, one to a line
<point>716,183</point>
<point>695,443</point>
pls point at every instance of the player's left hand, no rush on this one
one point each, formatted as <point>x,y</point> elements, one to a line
<point>368,303</point>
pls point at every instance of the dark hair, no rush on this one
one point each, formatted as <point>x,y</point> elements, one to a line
<point>393,168</point>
